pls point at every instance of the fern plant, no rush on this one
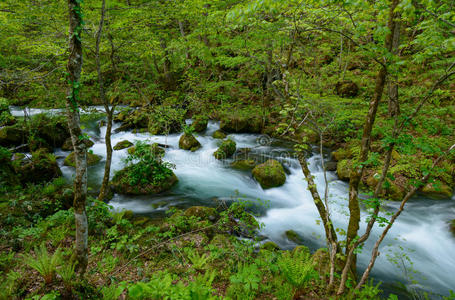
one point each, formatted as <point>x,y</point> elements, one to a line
<point>44,263</point>
<point>297,268</point>
<point>199,262</point>
<point>66,272</point>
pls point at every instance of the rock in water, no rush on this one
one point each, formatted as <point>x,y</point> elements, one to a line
<point>122,183</point>
<point>123,145</point>
<point>219,134</point>
<point>269,174</point>
<point>226,149</point>
<point>189,142</point>
<point>92,159</point>
<point>244,164</point>
<point>200,123</point>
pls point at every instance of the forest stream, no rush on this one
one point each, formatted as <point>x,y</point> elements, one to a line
<point>422,229</point>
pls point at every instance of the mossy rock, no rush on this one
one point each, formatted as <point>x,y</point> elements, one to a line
<point>155,148</point>
<point>12,136</point>
<point>196,240</point>
<point>347,89</point>
<point>189,142</point>
<point>269,174</point>
<point>68,144</point>
<point>239,124</point>
<point>122,185</point>
<point>226,149</point>
<point>245,164</point>
<point>92,159</point>
<point>300,248</point>
<point>8,175</point>
<point>202,212</point>
<point>342,153</point>
<point>331,166</point>
<point>293,236</point>
<point>200,123</point>
<point>123,145</point>
<point>437,190</point>
<point>344,169</point>
<point>391,189</point>
<point>42,167</point>
<point>219,135</point>
<point>270,246</point>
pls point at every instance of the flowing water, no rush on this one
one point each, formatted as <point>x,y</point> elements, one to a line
<point>421,232</point>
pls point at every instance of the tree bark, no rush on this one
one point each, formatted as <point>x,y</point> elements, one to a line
<point>394,108</point>
<point>104,190</point>
<point>357,172</point>
<point>74,68</point>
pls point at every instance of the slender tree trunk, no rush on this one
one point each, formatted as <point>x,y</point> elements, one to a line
<point>357,172</point>
<point>80,182</point>
<point>394,107</point>
<point>104,190</point>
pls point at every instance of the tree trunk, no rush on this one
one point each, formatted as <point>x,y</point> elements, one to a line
<point>74,68</point>
<point>357,173</point>
<point>394,108</point>
<point>104,190</point>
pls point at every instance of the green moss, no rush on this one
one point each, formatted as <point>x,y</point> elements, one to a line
<point>219,134</point>
<point>271,246</point>
<point>189,142</point>
<point>122,145</point>
<point>226,149</point>
<point>269,174</point>
<point>344,169</point>
<point>245,164</point>
<point>92,159</point>
<point>293,236</point>
<point>202,212</point>
<point>155,148</point>
<point>200,123</point>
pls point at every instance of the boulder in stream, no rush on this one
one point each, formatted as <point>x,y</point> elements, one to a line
<point>244,164</point>
<point>241,123</point>
<point>189,142</point>
<point>437,190</point>
<point>12,136</point>
<point>226,149</point>
<point>219,135</point>
<point>123,145</point>
<point>269,174</point>
<point>92,159</point>
<point>293,236</point>
<point>157,150</point>
<point>126,182</point>
<point>200,123</point>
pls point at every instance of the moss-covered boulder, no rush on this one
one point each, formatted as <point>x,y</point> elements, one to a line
<point>341,153</point>
<point>269,174</point>
<point>391,190</point>
<point>8,176</point>
<point>13,136</point>
<point>344,169</point>
<point>221,241</point>
<point>200,123</point>
<point>226,149</point>
<point>271,246</point>
<point>51,129</point>
<point>244,164</point>
<point>68,144</point>
<point>219,135</point>
<point>293,236</point>
<point>124,183</point>
<point>452,226</point>
<point>437,190</point>
<point>92,159</point>
<point>241,123</point>
<point>202,212</point>
<point>123,145</point>
<point>347,88</point>
<point>157,150</point>
<point>42,167</point>
<point>189,142</point>
<point>331,166</point>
